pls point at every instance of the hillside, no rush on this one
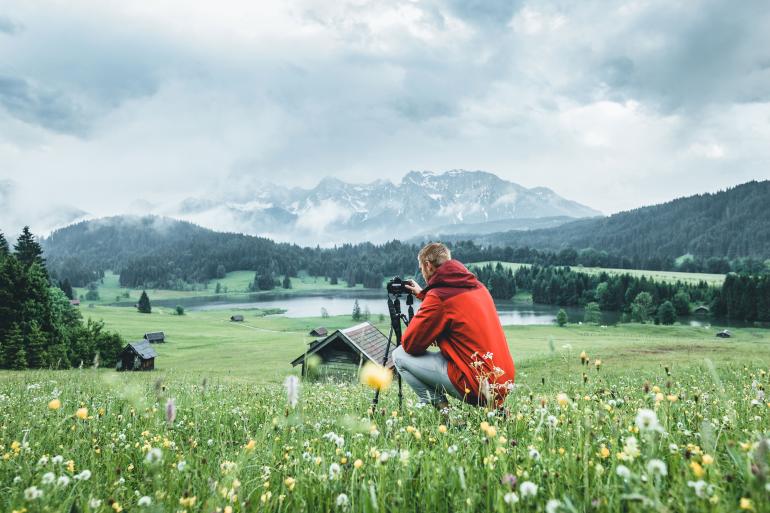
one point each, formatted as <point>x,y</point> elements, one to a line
<point>733,223</point>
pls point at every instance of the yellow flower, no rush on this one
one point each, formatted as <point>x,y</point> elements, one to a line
<point>442,428</point>
<point>290,482</point>
<point>491,431</point>
<point>656,389</point>
<point>376,376</point>
<point>54,404</point>
<point>187,502</point>
<point>707,459</point>
<point>117,507</point>
<point>697,469</point>
<point>250,445</point>
<point>484,426</point>
<point>598,363</point>
<point>228,509</point>
<point>672,398</point>
<point>563,399</point>
<point>604,453</point>
<point>746,504</point>
<point>358,464</point>
<point>82,413</point>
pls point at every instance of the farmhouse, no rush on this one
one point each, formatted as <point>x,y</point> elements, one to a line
<point>319,332</point>
<point>137,356</point>
<point>155,337</point>
<point>344,351</point>
<point>236,318</point>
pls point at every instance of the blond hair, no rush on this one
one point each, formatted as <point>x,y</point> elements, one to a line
<point>434,253</point>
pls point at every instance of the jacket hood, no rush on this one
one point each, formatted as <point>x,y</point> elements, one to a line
<point>453,274</point>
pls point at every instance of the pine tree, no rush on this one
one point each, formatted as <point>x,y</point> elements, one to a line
<point>286,282</point>
<point>561,317</point>
<point>15,356</point>
<point>144,303</point>
<point>356,311</point>
<point>28,250</point>
<point>36,347</point>
<point>66,287</point>
<point>4,248</point>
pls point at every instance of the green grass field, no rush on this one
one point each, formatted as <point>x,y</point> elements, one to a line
<point>673,420</point>
<point>664,276</point>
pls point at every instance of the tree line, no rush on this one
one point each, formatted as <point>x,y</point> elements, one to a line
<point>39,328</point>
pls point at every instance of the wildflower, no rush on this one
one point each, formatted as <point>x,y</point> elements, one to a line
<point>358,464</point>
<point>746,504</point>
<point>54,404</point>
<point>509,480</point>
<point>144,501</point>
<point>188,502</point>
<point>672,398</point>
<point>376,376</point>
<point>631,448</point>
<point>598,364</point>
<point>563,400</point>
<point>584,358</point>
<point>604,453</point>
<point>707,459</point>
<point>528,489</point>
<point>85,475</point>
<point>342,501</point>
<point>647,420</point>
<point>290,482</point>
<point>154,456</point>
<point>697,469</point>
<point>56,460</point>
<point>63,481</point>
<point>657,467</point>
<point>552,506</point>
<point>94,503</point>
<point>117,507</point>
<point>170,411</point>
<point>48,478</point>
<point>334,471</point>
<point>292,390</point>
<point>534,454</point>
<point>33,493</point>
<point>552,421</point>
<point>510,498</point>
<point>82,413</point>
<point>181,466</point>
<point>250,445</point>
<point>452,449</point>
<point>442,428</point>
<point>623,471</point>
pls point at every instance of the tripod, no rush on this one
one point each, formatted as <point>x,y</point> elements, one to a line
<point>394,308</point>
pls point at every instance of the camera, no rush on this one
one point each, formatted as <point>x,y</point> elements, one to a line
<point>397,286</point>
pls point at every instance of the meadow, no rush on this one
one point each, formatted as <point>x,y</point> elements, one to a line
<point>661,418</point>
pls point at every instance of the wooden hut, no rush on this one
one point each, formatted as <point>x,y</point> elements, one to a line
<point>344,351</point>
<point>319,332</point>
<point>236,318</point>
<point>75,302</point>
<point>137,356</point>
<point>701,310</point>
<point>724,334</point>
<point>156,337</point>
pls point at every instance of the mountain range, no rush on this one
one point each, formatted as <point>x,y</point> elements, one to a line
<point>422,203</point>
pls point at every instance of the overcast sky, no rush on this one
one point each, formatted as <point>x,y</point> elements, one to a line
<point>614,104</point>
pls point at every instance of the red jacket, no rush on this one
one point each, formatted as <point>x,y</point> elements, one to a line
<point>458,314</point>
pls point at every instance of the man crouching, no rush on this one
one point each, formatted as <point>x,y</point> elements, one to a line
<point>457,313</point>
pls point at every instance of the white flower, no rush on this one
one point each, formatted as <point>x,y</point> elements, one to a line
<point>85,475</point>
<point>144,501</point>
<point>647,420</point>
<point>700,487</point>
<point>673,448</point>
<point>631,448</point>
<point>154,455</point>
<point>657,467</point>
<point>334,471</point>
<point>94,503</point>
<point>510,498</point>
<point>452,449</point>
<point>58,459</point>
<point>32,493</point>
<point>342,501</point>
<point>17,480</point>
<point>623,471</point>
<point>48,478</point>
<point>534,454</point>
<point>490,414</point>
<point>42,461</point>
<point>528,489</point>
<point>384,457</point>
<point>552,421</point>
<point>292,390</point>
<point>181,466</point>
<point>63,481</point>
<point>210,442</point>
<point>552,506</point>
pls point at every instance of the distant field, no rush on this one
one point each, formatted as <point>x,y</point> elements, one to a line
<point>665,276</point>
<point>236,282</point>
<point>260,349</point>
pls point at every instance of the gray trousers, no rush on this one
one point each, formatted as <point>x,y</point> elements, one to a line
<point>426,374</point>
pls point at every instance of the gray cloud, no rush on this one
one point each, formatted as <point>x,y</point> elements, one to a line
<point>612,105</point>
<point>8,26</point>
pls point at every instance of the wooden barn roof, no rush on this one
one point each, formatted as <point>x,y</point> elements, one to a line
<point>363,338</point>
<point>142,348</point>
<point>155,335</point>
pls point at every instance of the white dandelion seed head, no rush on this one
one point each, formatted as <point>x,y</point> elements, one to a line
<point>528,489</point>
<point>342,501</point>
<point>154,455</point>
<point>57,460</point>
<point>144,501</point>
<point>181,466</point>
<point>657,467</point>
<point>334,471</point>
<point>63,481</point>
<point>647,420</point>
<point>623,471</point>
<point>510,498</point>
<point>48,478</point>
<point>33,493</point>
<point>85,475</point>
<point>552,506</point>
<point>452,449</point>
<point>94,503</point>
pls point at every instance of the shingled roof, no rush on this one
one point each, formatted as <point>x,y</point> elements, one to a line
<point>364,338</point>
<point>142,348</point>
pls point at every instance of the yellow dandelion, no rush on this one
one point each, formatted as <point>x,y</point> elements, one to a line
<point>707,459</point>
<point>491,431</point>
<point>290,482</point>
<point>376,376</point>
<point>358,464</point>
<point>117,507</point>
<point>604,453</point>
<point>563,400</point>
<point>54,404</point>
<point>250,445</point>
<point>672,398</point>
<point>187,502</point>
<point>598,364</point>
<point>442,428</point>
<point>746,504</point>
<point>697,469</point>
<point>82,413</point>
